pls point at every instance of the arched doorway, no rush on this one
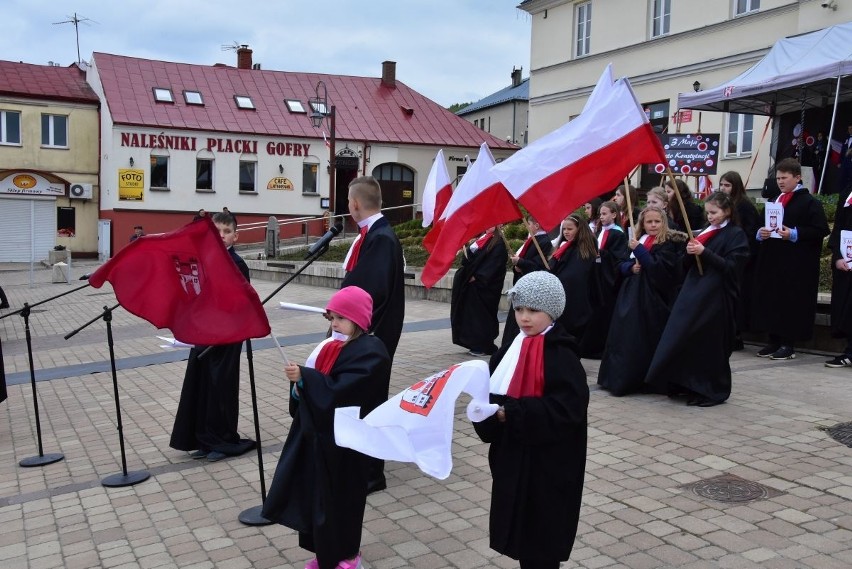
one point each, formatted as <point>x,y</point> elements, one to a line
<point>397,181</point>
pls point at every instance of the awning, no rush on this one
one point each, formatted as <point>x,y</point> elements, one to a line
<point>796,69</point>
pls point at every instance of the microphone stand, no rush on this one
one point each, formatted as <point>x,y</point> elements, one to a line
<point>124,478</point>
<point>253,516</point>
<point>42,459</point>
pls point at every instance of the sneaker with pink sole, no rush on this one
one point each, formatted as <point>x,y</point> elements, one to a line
<point>312,564</point>
<point>351,563</point>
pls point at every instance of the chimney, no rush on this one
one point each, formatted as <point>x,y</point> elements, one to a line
<point>516,76</point>
<point>243,57</point>
<point>389,74</point>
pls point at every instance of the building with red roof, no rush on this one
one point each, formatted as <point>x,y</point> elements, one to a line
<point>179,137</point>
<point>48,161</point>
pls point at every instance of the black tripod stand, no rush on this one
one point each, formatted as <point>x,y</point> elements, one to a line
<point>124,478</point>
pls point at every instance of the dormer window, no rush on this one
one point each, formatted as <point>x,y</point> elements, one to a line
<point>295,106</point>
<point>244,102</point>
<point>163,95</point>
<point>193,98</point>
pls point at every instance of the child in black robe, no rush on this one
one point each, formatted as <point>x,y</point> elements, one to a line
<point>320,489</point>
<point>208,411</point>
<point>538,435</point>
<point>573,263</point>
<point>530,257</point>
<point>841,283</point>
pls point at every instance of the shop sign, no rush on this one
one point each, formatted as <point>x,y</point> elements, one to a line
<point>30,184</point>
<point>131,184</point>
<point>280,183</point>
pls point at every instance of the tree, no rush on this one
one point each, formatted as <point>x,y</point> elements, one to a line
<point>456,107</point>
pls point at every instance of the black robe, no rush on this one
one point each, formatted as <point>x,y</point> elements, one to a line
<point>576,275</point>
<point>473,312</point>
<point>380,272</point>
<point>604,289</point>
<point>320,489</point>
<point>640,315</point>
<point>531,261</point>
<point>749,219</point>
<point>538,458</point>
<point>209,408</point>
<point>696,344</point>
<point>841,283</point>
<point>787,273</point>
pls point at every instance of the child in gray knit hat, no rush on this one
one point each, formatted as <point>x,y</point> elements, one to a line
<point>538,434</point>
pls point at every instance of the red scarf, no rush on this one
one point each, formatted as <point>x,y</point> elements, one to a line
<point>562,248</point>
<point>603,238</point>
<point>707,235</point>
<point>356,249</point>
<point>649,242</point>
<point>784,198</point>
<point>328,356</point>
<point>528,379</point>
<point>483,241</point>
<point>525,246</point>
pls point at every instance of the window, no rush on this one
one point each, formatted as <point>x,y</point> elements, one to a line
<point>193,98</point>
<point>159,171</point>
<point>394,173</point>
<point>66,222</point>
<point>203,174</point>
<point>163,95</point>
<point>244,102</point>
<point>740,134</point>
<point>746,6</point>
<point>295,106</point>
<point>247,176</point>
<point>10,127</point>
<point>309,178</point>
<point>661,18</point>
<point>584,28</point>
<point>54,131</point>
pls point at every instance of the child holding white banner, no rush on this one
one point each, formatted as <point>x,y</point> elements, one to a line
<point>538,435</point>
<point>319,488</point>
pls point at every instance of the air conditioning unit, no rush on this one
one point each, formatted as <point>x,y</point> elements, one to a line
<point>80,191</point>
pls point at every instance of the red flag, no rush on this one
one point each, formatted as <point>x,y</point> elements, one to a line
<point>561,171</point>
<point>834,152</point>
<point>436,195</point>
<point>479,202</point>
<point>186,281</point>
<point>705,187</point>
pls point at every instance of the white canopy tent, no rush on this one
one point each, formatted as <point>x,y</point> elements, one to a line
<point>798,73</point>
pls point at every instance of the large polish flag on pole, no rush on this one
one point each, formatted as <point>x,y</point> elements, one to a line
<point>584,158</point>
<point>436,196</point>
<point>480,201</point>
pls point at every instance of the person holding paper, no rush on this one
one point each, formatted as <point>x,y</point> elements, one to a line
<point>320,489</point>
<point>787,271</point>
<point>537,437</point>
<point>840,244</point>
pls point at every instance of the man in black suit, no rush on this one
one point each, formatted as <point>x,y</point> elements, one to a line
<point>375,264</point>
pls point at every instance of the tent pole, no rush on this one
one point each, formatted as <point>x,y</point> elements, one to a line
<point>830,133</point>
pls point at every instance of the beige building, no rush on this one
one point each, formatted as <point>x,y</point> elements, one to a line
<point>48,162</point>
<point>666,47</point>
<point>503,114</point>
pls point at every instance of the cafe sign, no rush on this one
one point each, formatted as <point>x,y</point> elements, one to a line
<point>280,183</point>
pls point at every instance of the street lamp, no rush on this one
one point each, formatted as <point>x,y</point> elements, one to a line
<point>319,110</point>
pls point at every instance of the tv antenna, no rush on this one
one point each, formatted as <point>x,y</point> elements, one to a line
<point>233,46</point>
<point>76,20</point>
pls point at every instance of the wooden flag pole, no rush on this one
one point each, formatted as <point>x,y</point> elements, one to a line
<point>685,218</point>
<point>540,252</point>
<point>629,207</point>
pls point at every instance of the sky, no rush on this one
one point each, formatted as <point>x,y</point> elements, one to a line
<point>451,51</point>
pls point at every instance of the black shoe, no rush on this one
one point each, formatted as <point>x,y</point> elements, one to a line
<point>767,351</point>
<point>199,454</point>
<point>784,353</point>
<point>709,403</point>
<point>376,485</point>
<point>840,361</point>
<point>693,402</point>
<point>477,353</point>
<point>215,456</point>
<point>4,305</point>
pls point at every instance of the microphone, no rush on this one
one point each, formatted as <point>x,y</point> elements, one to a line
<point>324,240</point>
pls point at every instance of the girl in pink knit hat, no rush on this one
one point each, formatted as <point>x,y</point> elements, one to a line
<point>319,488</point>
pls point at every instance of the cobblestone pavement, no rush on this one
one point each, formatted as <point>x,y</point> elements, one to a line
<point>639,510</point>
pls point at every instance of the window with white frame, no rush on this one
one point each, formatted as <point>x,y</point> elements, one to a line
<point>661,17</point>
<point>204,174</point>
<point>248,176</point>
<point>10,127</point>
<point>310,169</point>
<point>54,131</point>
<point>583,28</point>
<point>745,6</point>
<point>159,171</point>
<point>740,135</point>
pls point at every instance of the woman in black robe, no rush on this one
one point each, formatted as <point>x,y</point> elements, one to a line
<point>477,289</point>
<point>644,301</point>
<point>841,284</point>
<point>694,351</point>
<point>573,263</point>
<point>747,217</point>
<point>612,248</point>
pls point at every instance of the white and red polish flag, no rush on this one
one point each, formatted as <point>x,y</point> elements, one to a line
<point>436,196</point>
<point>584,158</point>
<point>705,187</point>
<point>480,201</point>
